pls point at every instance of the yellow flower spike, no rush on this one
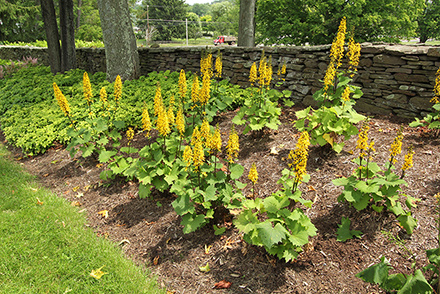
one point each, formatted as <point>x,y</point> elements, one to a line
<point>103,96</point>
<point>408,163</point>
<point>158,103</point>
<point>299,156</point>
<point>329,77</point>
<point>118,89</point>
<point>353,54</point>
<point>61,99</point>
<point>87,88</point>
<point>253,74</point>
<point>216,140</point>
<point>205,90</point>
<point>146,122</point>
<point>362,144</point>
<point>187,156</point>
<point>337,48</point>
<point>162,124</point>
<point>283,69</point>
<point>195,135</point>
<point>253,174</point>
<point>170,115</point>
<point>233,146</point>
<point>195,90</point>
<point>268,73</point>
<point>396,146</point>
<point>182,85</point>
<point>218,65</point>
<point>436,88</point>
<point>130,134</point>
<point>198,154</point>
<point>205,132</point>
<point>346,95</point>
<point>180,122</point>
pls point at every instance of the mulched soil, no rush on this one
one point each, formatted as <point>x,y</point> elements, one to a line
<point>149,231</point>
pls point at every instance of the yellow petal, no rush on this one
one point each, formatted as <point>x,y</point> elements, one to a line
<point>104,213</point>
<point>98,273</point>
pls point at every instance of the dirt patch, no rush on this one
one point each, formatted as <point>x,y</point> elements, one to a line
<point>149,229</point>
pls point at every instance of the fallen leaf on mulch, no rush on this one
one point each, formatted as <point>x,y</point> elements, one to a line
<point>104,213</point>
<point>222,285</point>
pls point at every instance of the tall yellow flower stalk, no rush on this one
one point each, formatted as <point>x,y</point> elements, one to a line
<point>187,156</point>
<point>103,98</point>
<point>61,99</point>
<point>87,89</point>
<point>118,89</point>
<point>130,135</point>
<point>158,102</point>
<point>408,163</point>
<point>182,85</point>
<point>436,88</point>
<point>170,112</point>
<point>298,158</point>
<point>218,65</point>
<point>146,122</point>
<point>198,152</point>
<point>206,64</point>
<point>336,54</point>
<point>215,144</point>
<point>253,177</point>
<point>162,123</point>
<point>396,147</point>
<point>346,94</point>
<point>353,54</point>
<point>205,132</point>
<point>180,122</point>
<point>195,90</point>
<point>204,93</point>
<point>253,74</point>
<point>233,146</point>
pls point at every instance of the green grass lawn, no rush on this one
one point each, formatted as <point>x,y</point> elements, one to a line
<point>46,248</point>
<point>182,42</point>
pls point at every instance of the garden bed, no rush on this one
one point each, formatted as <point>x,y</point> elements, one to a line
<point>150,232</point>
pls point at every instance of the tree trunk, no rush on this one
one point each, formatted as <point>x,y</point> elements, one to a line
<point>67,27</point>
<point>52,36</point>
<point>246,23</point>
<point>121,53</point>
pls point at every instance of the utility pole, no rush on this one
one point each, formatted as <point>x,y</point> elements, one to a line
<point>186,25</point>
<point>148,26</point>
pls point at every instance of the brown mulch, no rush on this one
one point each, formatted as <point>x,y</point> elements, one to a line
<point>153,235</point>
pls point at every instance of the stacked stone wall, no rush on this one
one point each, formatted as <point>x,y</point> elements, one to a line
<point>397,79</point>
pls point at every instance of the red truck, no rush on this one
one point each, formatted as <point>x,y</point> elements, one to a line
<point>225,39</point>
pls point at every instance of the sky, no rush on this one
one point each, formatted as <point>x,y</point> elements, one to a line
<point>191,2</point>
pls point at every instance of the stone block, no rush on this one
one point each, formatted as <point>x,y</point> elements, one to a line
<point>421,103</point>
<point>387,59</point>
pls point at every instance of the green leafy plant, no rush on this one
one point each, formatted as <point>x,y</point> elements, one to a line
<point>262,109</point>
<point>369,185</point>
<point>335,116</point>
<point>285,229</point>
<point>407,283</point>
<point>344,233</point>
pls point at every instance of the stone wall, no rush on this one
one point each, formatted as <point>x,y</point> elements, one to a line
<point>395,79</point>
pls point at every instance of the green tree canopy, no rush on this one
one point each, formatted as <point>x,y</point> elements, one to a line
<point>20,20</point>
<point>200,9</point>
<point>429,21</point>
<point>194,25</point>
<point>316,22</point>
<point>167,16</point>
<point>225,17</point>
<point>88,22</point>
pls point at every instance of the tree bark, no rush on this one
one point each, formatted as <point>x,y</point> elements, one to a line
<point>78,19</point>
<point>67,27</point>
<point>246,23</point>
<point>52,36</point>
<point>121,53</point>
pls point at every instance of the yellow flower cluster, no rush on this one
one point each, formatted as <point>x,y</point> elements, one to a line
<point>130,134</point>
<point>162,123</point>
<point>218,65</point>
<point>346,94</point>
<point>195,90</point>
<point>206,64</point>
<point>182,84</point>
<point>253,174</point>
<point>408,163</point>
<point>62,101</point>
<point>180,122</point>
<point>103,97</point>
<point>158,103</point>
<point>396,146</point>
<point>170,113</point>
<point>205,132</point>
<point>299,156</point>
<point>281,71</point>
<point>436,88</point>
<point>353,54</point>
<point>337,49</point>
<point>233,146</point>
<point>87,89</point>
<point>204,91</point>
<point>118,89</point>
<point>146,122</point>
<point>197,154</point>
<point>187,156</point>
<point>215,144</point>
<point>253,74</point>
<point>336,54</point>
